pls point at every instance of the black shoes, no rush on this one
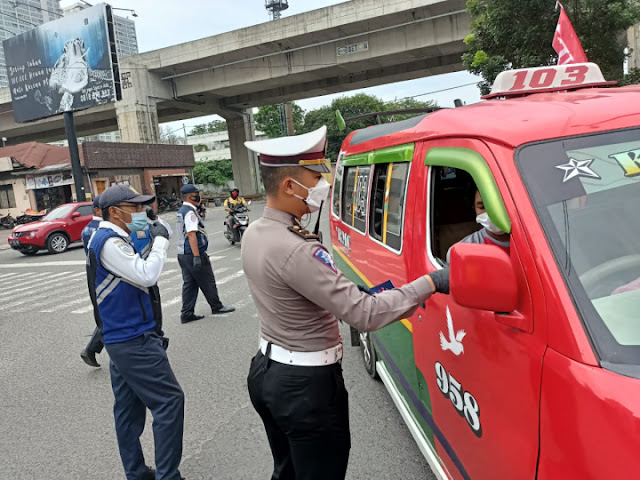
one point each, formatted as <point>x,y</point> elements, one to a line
<point>89,358</point>
<point>191,318</point>
<point>150,474</point>
<point>223,309</point>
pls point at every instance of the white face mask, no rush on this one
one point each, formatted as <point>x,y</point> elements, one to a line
<point>317,194</point>
<point>486,222</point>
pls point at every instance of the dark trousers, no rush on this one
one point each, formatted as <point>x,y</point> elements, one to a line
<point>305,411</point>
<point>141,378</point>
<point>95,342</point>
<point>192,281</point>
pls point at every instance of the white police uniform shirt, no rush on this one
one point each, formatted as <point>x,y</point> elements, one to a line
<point>191,223</point>
<point>119,257</point>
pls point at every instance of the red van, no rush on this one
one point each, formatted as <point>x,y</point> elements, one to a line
<point>531,367</point>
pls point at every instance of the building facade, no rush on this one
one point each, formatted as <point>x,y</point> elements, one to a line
<point>214,146</point>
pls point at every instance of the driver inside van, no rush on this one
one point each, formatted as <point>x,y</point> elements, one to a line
<point>489,234</point>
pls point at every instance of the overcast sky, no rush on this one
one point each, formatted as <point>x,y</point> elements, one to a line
<point>161,23</point>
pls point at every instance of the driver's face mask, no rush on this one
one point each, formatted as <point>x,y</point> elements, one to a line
<point>484,220</point>
<point>317,194</point>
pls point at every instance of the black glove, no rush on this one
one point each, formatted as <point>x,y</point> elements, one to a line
<point>158,230</point>
<point>440,279</point>
<point>364,289</point>
<point>197,264</point>
<point>151,215</point>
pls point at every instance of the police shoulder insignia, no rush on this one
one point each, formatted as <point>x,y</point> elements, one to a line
<point>141,234</point>
<point>309,237</point>
<point>124,247</point>
<point>322,255</point>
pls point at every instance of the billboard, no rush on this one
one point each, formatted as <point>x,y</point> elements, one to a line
<point>65,65</point>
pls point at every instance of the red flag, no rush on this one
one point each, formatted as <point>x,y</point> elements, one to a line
<point>566,41</point>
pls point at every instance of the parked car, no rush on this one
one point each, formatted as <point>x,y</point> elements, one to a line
<point>55,232</point>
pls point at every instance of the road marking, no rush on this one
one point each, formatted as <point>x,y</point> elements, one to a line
<point>66,263</point>
<point>84,298</point>
<point>28,282</point>
<point>224,250</point>
<point>215,233</point>
<point>18,277</point>
<point>84,310</point>
<point>166,272</point>
<point>230,277</point>
<point>39,288</point>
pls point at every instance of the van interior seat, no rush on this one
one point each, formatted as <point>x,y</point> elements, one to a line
<point>452,233</point>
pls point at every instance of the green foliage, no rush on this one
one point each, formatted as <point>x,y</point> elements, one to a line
<point>268,120</point>
<point>632,79</point>
<point>350,107</point>
<point>211,127</point>
<point>213,172</point>
<point>519,33</point>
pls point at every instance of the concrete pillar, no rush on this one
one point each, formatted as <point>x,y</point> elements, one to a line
<point>245,163</point>
<point>138,123</point>
<point>633,36</point>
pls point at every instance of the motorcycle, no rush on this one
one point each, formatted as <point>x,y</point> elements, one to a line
<point>30,216</point>
<point>202,211</point>
<point>8,221</point>
<point>239,217</point>
<point>170,204</point>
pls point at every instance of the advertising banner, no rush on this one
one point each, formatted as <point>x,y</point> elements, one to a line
<point>64,65</point>
<point>47,181</point>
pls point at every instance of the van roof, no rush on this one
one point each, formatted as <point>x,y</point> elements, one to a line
<point>513,122</point>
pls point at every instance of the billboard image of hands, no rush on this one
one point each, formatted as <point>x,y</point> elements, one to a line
<point>62,66</point>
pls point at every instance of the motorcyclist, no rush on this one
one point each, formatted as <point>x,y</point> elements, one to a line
<point>234,200</point>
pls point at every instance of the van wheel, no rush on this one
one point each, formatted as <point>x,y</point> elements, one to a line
<point>57,243</point>
<point>368,354</point>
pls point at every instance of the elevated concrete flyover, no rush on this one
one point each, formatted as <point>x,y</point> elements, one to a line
<point>356,44</point>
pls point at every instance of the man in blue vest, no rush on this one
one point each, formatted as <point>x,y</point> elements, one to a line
<point>193,259</point>
<point>141,377</point>
<point>142,242</point>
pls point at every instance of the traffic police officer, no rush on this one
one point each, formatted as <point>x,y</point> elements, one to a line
<point>295,380</point>
<point>141,376</point>
<point>197,272</point>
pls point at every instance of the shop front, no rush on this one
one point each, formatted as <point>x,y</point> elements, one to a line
<point>51,190</point>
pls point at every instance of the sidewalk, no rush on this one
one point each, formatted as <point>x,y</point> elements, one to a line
<point>4,238</point>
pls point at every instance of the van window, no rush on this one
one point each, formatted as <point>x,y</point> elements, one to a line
<point>355,195</point>
<point>337,190</point>
<point>452,215</point>
<point>387,203</point>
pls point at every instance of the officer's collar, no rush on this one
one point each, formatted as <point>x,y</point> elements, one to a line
<point>279,216</point>
<point>191,205</point>
<point>114,227</point>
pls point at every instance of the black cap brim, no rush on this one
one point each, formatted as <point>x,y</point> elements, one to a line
<point>322,168</point>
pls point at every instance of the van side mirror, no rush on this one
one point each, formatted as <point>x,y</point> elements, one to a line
<point>482,277</point>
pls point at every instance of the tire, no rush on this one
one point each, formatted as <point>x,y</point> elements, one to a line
<point>369,356</point>
<point>57,243</point>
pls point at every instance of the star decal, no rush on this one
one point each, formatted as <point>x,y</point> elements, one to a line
<point>578,168</point>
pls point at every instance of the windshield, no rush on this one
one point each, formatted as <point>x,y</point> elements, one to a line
<point>58,213</point>
<point>586,192</point>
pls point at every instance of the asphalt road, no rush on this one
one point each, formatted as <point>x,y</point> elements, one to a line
<point>56,417</point>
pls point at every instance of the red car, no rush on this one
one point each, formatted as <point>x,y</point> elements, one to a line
<point>55,232</point>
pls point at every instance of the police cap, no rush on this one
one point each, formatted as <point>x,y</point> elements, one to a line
<point>122,193</point>
<point>189,188</point>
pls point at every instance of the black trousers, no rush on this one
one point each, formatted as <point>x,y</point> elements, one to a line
<point>305,411</point>
<point>193,281</point>
<point>95,342</point>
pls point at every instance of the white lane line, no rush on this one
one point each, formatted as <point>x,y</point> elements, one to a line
<point>224,280</point>
<point>66,263</point>
<point>224,250</point>
<point>173,301</point>
<point>84,298</point>
<point>30,282</point>
<point>84,309</point>
<point>39,288</point>
<point>215,233</point>
<point>166,272</point>
<point>26,280</point>
<point>7,276</point>
<point>15,304</point>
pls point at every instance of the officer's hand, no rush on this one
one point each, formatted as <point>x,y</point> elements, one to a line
<point>197,263</point>
<point>364,289</point>
<point>440,279</point>
<point>151,215</point>
<point>158,230</point>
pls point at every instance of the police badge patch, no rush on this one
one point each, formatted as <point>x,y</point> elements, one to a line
<point>322,255</point>
<point>124,247</point>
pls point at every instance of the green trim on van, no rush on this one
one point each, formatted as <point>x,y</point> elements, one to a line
<point>397,154</point>
<point>473,163</point>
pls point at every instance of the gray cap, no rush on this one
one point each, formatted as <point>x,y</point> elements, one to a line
<point>122,193</point>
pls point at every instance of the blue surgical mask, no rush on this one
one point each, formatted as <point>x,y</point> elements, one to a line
<point>138,222</point>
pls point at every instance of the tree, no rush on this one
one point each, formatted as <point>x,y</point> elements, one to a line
<point>213,172</point>
<point>268,120</point>
<point>350,107</point>
<point>632,79</point>
<point>170,137</point>
<point>211,127</point>
<point>405,104</point>
<point>518,34</point>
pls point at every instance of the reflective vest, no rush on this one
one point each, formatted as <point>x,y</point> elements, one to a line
<point>123,309</point>
<point>87,231</point>
<point>184,248</point>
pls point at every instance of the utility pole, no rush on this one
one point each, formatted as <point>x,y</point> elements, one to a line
<point>74,154</point>
<point>288,109</point>
<point>185,134</point>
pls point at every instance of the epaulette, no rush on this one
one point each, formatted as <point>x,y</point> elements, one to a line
<point>308,236</point>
